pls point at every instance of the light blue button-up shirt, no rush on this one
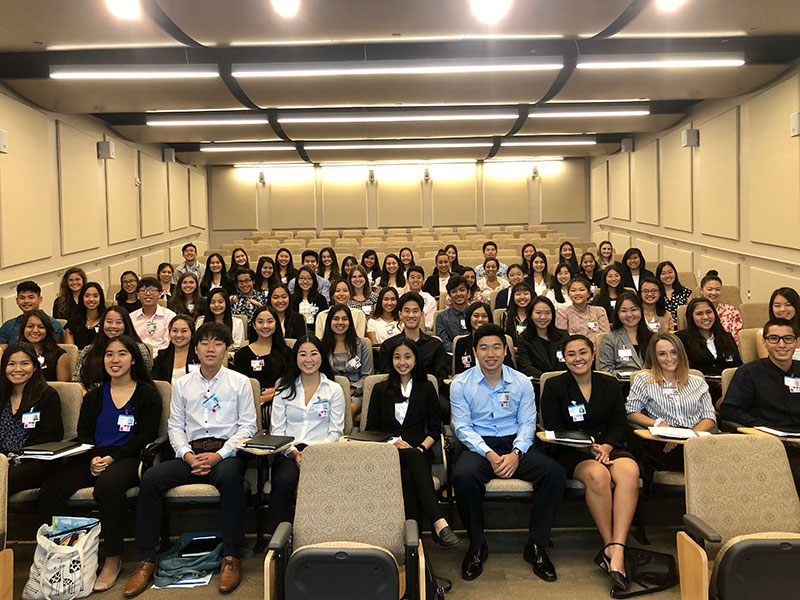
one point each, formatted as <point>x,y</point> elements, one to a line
<point>479,410</point>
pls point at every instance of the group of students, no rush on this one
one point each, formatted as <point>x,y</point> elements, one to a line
<point>335,323</point>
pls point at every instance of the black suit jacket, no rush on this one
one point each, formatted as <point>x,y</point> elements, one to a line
<point>431,285</point>
<point>627,278</point>
<point>423,418</point>
<point>700,357</point>
<point>537,355</point>
<point>164,363</point>
<point>431,354</point>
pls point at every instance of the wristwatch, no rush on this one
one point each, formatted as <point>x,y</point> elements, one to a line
<point>518,452</point>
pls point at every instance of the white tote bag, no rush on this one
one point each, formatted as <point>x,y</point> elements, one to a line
<point>62,572</point>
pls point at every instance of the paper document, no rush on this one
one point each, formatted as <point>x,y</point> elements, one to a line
<point>678,433</point>
<point>778,432</point>
<point>77,450</point>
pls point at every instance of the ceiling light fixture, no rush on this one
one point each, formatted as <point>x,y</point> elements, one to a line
<point>431,66</point>
<point>667,5</point>
<point>396,146</point>
<point>577,111</point>
<point>398,116</point>
<point>550,141</point>
<point>124,9</point>
<point>534,159</point>
<point>247,147</point>
<point>133,71</point>
<point>660,61</point>
<point>174,121</point>
<point>286,8</point>
<point>490,11</point>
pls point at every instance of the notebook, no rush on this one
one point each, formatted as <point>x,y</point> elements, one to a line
<point>369,436</point>
<point>265,441</point>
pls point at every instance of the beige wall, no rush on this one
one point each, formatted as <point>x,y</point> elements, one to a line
<point>61,207</point>
<point>732,204</point>
<point>334,197</point>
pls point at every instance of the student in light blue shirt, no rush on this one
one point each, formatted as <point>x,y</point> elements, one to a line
<point>494,416</point>
<point>29,297</point>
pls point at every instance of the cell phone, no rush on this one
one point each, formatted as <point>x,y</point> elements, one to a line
<point>200,545</point>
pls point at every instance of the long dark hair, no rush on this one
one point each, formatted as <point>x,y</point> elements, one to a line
<point>291,272</point>
<point>377,312</point>
<point>178,303</point>
<point>280,351</point>
<point>234,267</point>
<point>191,357</point>
<point>792,297</point>
<point>334,263</point>
<point>34,387</point>
<point>292,372</point>
<point>79,316</point>
<point>418,374</point>
<point>288,312</point>
<point>411,264</point>
<point>139,372</point>
<point>399,277</point>
<point>604,297</point>
<point>573,262</point>
<point>350,337</point>
<point>473,289</point>
<point>347,260</point>
<point>272,280</point>
<point>661,305</point>
<point>553,333</point>
<point>643,333</point>
<point>375,269</point>
<point>122,295</point>
<point>546,277</point>
<point>227,316</point>
<point>455,266</point>
<point>208,276</point>
<point>630,252</point>
<point>724,342</point>
<point>512,311</point>
<point>49,345</point>
<point>92,370</point>
<point>297,294</point>
<point>526,265</point>
<point>472,308</point>
<point>557,291</point>
<point>677,285</point>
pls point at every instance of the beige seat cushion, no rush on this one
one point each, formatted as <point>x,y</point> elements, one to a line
<point>669,478</point>
<point>506,486</point>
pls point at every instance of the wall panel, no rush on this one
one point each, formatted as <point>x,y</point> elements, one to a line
<point>650,250</point>
<point>563,192</point>
<point>399,190</point>
<point>619,186</point>
<point>764,281</point>
<point>505,192</point>
<point>620,242</point>
<point>151,260</point>
<point>153,195</point>
<point>682,258</point>
<point>81,185</point>
<point>344,197</point>
<point>26,196</point>
<point>599,191</point>
<point>98,275</point>
<point>122,194</point>
<point>178,177</point>
<point>292,199</point>
<point>233,200</point>
<point>644,184</point>
<point>675,164</point>
<point>198,200</point>
<point>454,194</point>
<point>115,270</point>
<point>716,175</point>
<point>728,270</point>
<point>774,165</point>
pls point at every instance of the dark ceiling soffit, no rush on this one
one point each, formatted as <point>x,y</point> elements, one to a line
<point>233,86</point>
<point>758,50</point>
<point>561,79</point>
<point>495,147</point>
<point>160,18</point>
<point>272,115</point>
<point>301,151</point>
<point>626,16</point>
<point>521,119</point>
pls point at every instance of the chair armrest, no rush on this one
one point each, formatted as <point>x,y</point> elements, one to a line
<point>411,533</point>
<point>729,426</point>
<point>699,529</point>
<point>280,538</point>
<point>149,452</point>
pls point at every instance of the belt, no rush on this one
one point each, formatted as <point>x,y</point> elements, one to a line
<point>207,445</point>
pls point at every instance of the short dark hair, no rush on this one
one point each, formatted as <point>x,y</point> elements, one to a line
<point>410,297</point>
<point>212,331</point>
<point>415,269</point>
<point>246,272</point>
<point>189,245</point>
<point>776,322</point>
<point>490,329</point>
<point>29,286</point>
<point>148,282</point>
<point>488,243</point>
<point>309,252</point>
<point>576,338</point>
<point>455,281</point>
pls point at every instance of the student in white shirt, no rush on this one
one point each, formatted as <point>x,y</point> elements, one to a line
<point>415,277</point>
<point>340,294</point>
<point>385,321</point>
<point>491,281</point>
<point>558,294</point>
<point>309,405</point>
<point>211,411</point>
<point>539,276</point>
<point>151,322</point>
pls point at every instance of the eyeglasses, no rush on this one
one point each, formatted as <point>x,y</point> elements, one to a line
<point>787,339</point>
<point>149,291</point>
<point>129,282</point>
<point>649,292</point>
<point>304,279</point>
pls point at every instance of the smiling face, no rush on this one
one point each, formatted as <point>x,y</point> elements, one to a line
<point>240,258</point>
<point>478,318</point>
<point>588,263</point>
<point>451,254</point>
<point>358,281</point>
<point>75,282</point>
<point>459,295</point>
<point>667,275</point>
<point>389,303</point>
<point>369,261</point>
<point>392,266</point>
<point>215,265</point>
<point>403,360</point>
<point>245,283</point>
<point>279,300</point>
<point>264,324</point>
<point>629,313</point>
<point>563,276</point>
<point>29,301</point>
<point>712,290</point>
<point>20,368</point>
<point>347,266</point>
<point>542,315</point>
<point>305,281</point>
<point>522,298</point>
<point>538,265</point>
<point>180,334</point>
<point>489,353</point>
<point>634,260</point>
<point>129,283</point>
<point>311,262</point>
<point>309,359</point>
<point>91,299</point>
<point>469,275</point>
<point>527,252</point>
<point>606,251</point>
<point>165,275</point>
<point>340,322</point>
<point>149,295</point>
<point>703,316</point>
<point>415,281</point>
<point>650,293</point>
<point>113,324</point>
<point>188,286</point>
<point>782,308</point>
<point>34,331</point>
<point>211,353</point>
<point>341,294</point>
<point>490,268</point>
<point>578,357</point>
<point>216,305</point>
<point>578,293</point>
<point>283,258</point>
<point>443,264</point>
<point>515,275</point>
<point>189,254</point>
<point>326,258</point>
<point>667,356</point>
<point>117,360</point>
<point>566,252</point>
<point>612,278</point>
<point>405,257</point>
<point>490,251</point>
<point>410,315</point>
<point>775,339</point>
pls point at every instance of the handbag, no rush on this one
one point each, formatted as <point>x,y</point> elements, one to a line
<point>651,571</point>
<point>172,566</point>
<point>62,572</point>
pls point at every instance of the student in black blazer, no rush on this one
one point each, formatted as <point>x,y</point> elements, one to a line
<point>583,400</point>
<point>119,418</point>
<point>406,405</point>
<point>476,315</point>
<point>539,347</point>
<point>634,269</point>
<point>435,284</point>
<point>177,359</point>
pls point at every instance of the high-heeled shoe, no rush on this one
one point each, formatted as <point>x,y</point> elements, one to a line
<point>604,562</point>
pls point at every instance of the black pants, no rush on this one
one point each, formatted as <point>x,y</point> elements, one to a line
<point>794,462</point>
<point>419,497</point>
<point>29,474</point>
<point>227,476</point>
<point>284,477</point>
<point>472,472</point>
<point>109,493</point>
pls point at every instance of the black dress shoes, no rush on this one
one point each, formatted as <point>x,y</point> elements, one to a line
<point>472,566</point>
<point>542,567</point>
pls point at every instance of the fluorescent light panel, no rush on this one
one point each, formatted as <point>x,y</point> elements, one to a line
<point>133,71</point>
<point>177,121</point>
<point>549,141</point>
<point>396,146</point>
<point>245,147</point>
<point>430,66</point>
<point>398,116</point>
<point>660,61</point>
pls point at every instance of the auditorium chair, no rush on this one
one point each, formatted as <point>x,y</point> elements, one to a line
<point>742,537</point>
<point>748,344</point>
<point>754,314</point>
<point>6,554</point>
<point>73,353</point>
<point>730,295</point>
<point>360,545</point>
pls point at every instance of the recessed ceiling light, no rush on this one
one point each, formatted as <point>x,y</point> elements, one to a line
<point>490,11</point>
<point>286,8</point>
<point>124,9</point>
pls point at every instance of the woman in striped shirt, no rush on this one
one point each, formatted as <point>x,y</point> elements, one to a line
<point>666,394</point>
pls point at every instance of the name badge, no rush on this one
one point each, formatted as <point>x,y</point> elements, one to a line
<point>502,400</point>
<point>559,356</point>
<point>41,361</point>
<point>729,359</point>
<point>391,329</point>
<point>577,412</point>
<point>151,328</point>
<point>354,362</point>
<point>463,323</point>
<point>466,361</point>
<point>625,354</point>
<point>125,422</point>
<point>793,383</point>
<point>521,327</point>
<point>30,419</point>
<point>670,389</point>
<point>322,408</point>
<point>613,303</point>
<point>654,326</point>
<point>367,309</point>
<point>211,403</point>
<point>592,325</point>
<point>193,368</point>
<point>257,364</point>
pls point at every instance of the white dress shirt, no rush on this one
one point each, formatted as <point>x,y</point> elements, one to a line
<point>191,417</point>
<point>319,422</point>
<point>401,408</point>
<point>153,330</point>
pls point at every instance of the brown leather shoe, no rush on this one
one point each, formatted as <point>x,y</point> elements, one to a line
<point>230,574</point>
<point>140,579</point>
